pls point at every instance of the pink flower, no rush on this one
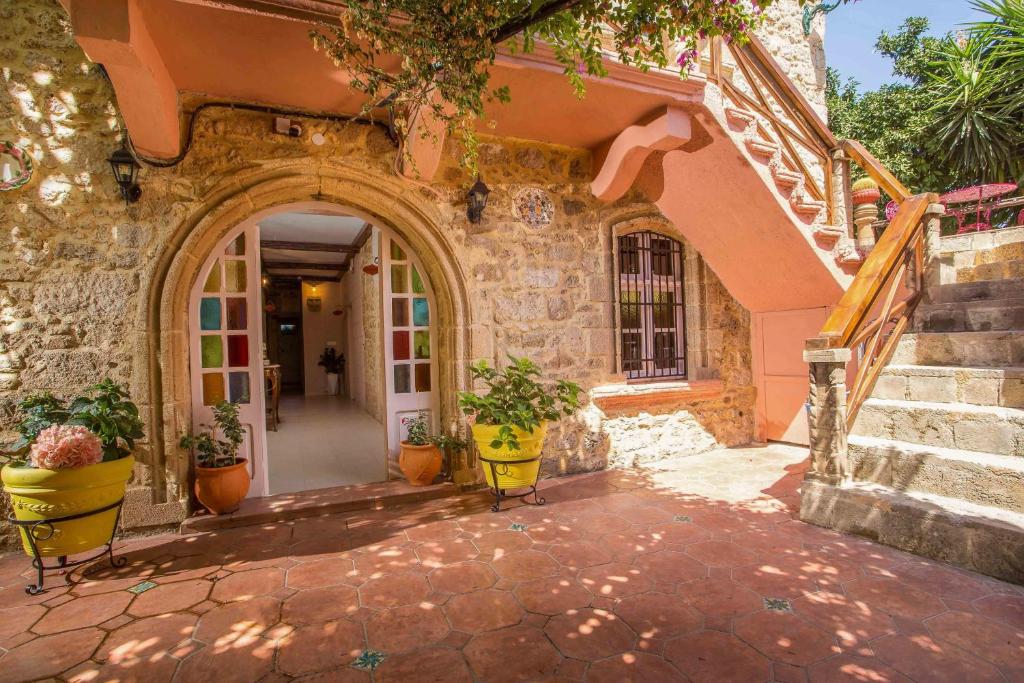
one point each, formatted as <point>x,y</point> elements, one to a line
<point>63,447</point>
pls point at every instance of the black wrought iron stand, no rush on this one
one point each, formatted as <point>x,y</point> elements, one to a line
<point>32,530</point>
<point>501,467</point>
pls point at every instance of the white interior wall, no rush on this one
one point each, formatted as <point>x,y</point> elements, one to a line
<point>320,329</point>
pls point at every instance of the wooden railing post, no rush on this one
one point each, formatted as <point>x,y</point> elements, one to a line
<point>826,414</point>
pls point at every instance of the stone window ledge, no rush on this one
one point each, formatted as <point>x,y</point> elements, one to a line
<point>624,397</point>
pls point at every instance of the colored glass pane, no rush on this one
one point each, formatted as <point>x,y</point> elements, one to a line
<point>238,385</point>
<point>238,351</point>
<point>421,343</point>
<point>234,276</point>
<point>212,351</point>
<point>664,309</point>
<point>237,318</point>
<point>396,252</point>
<point>209,313</point>
<point>399,279</point>
<point>402,380</point>
<point>629,310</point>
<point>400,345</point>
<point>236,247</point>
<point>213,388</point>
<point>213,279</point>
<point>420,312</point>
<point>417,282</point>
<point>400,312</point>
<point>423,377</point>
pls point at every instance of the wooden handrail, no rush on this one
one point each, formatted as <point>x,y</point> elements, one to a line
<point>850,314</point>
<point>875,169</point>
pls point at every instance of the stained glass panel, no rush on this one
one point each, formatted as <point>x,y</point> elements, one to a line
<point>400,312</point>
<point>213,388</point>
<point>212,351</point>
<point>238,350</point>
<point>236,247</point>
<point>209,313</point>
<point>402,380</point>
<point>417,282</point>
<point>234,276</point>
<point>400,345</point>
<point>421,343</point>
<point>238,385</point>
<point>420,312</point>
<point>399,279</point>
<point>213,279</point>
<point>396,252</point>
<point>237,318</point>
<point>423,377</point>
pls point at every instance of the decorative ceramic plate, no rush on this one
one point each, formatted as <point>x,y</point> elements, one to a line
<point>19,172</point>
<point>533,207</point>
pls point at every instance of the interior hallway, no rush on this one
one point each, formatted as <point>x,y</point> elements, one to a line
<point>324,441</point>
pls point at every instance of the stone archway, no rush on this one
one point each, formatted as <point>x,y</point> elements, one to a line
<point>379,199</point>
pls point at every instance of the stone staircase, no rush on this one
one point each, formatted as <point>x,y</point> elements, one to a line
<point>941,440</point>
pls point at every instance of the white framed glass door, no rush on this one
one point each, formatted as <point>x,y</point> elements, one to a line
<point>225,342</point>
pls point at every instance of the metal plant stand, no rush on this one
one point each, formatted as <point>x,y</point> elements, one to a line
<point>33,528</point>
<point>501,467</point>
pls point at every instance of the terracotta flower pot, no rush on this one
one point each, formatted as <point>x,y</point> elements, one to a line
<point>420,464</point>
<point>222,489</point>
<point>868,195</point>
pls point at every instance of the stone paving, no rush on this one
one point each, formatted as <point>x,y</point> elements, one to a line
<point>695,571</point>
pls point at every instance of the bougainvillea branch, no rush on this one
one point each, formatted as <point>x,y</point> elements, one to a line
<point>436,55</point>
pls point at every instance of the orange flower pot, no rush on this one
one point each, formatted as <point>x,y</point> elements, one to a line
<point>420,464</point>
<point>222,489</point>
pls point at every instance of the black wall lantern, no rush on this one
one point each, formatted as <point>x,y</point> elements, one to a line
<point>126,169</point>
<point>477,201</point>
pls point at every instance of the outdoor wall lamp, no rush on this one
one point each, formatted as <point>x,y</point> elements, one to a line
<point>126,170</point>
<point>477,200</point>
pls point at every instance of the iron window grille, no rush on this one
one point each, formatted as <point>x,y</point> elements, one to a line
<point>652,311</point>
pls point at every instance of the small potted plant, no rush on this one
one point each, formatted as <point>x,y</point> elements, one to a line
<point>510,420</point>
<point>71,459</point>
<point>419,456</point>
<point>222,479</point>
<point>334,364</point>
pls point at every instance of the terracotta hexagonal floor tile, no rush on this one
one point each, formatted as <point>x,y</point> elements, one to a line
<point>634,667</point>
<point>375,561</point>
<point>80,612</point>
<point>645,515</point>
<point>626,546</point>
<point>497,544</point>
<point>238,621</point>
<point>184,569</point>
<point>485,610</point>
<point>430,665</point>
<point>320,604</point>
<point>49,655</point>
<point>895,598</point>
<point>344,674</point>
<point>600,523</point>
<point>1002,607</point>
<point>852,622</point>
<point>393,590</point>
<point>997,644</point>
<point>520,653</point>
<point>553,532</point>
<point>615,580</point>
<point>669,566</point>
<point>775,581</point>
<point>148,638</point>
<point>852,669</point>
<point>552,595</point>
<point>524,565</point>
<point>580,554</point>
<point>406,628</point>
<point>677,533</point>
<point>785,637</point>
<point>439,553</point>
<point>433,531</point>
<point>590,634</point>
<point>319,573</point>
<point>479,525</point>
<point>941,580</point>
<point>316,647</point>
<point>17,620</point>
<point>248,659</point>
<point>925,659</point>
<point>716,657</point>
<point>248,584</point>
<point>172,597</point>
<point>657,615</point>
<point>720,554</point>
<point>464,577</point>
<point>720,597</point>
<point>151,670</point>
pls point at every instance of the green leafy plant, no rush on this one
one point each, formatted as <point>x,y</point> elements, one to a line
<point>517,398</point>
<point>332,361</point>
<point>105,409</point>
<point>210,451</point>
<point>419,432</point>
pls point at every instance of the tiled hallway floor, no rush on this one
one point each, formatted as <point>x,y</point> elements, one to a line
<point>694,572</point>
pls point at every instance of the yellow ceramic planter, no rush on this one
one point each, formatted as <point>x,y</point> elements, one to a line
<point>511,475</point>
<point>38,494</point>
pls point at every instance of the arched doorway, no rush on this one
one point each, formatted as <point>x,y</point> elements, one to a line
<point>383,320</point>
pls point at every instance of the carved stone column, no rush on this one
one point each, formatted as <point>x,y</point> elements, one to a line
<point>865,213</point>
<point>827,415</point>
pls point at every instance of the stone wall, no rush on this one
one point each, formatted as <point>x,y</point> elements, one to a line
<point>801,57</point>
<point>82,275</point>
<point>372,325</point>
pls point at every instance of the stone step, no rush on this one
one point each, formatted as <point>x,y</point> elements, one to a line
<point>976,386</point>
<point>996,270</point>
<point>979,478</point>
<point>989,429</point>
<point>999,348</point>
<point>976,291</point>
<point>976,537</point>
<point>971,316</point>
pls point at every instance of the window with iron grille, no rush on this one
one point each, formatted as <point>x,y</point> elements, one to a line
<point>652,314</point>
